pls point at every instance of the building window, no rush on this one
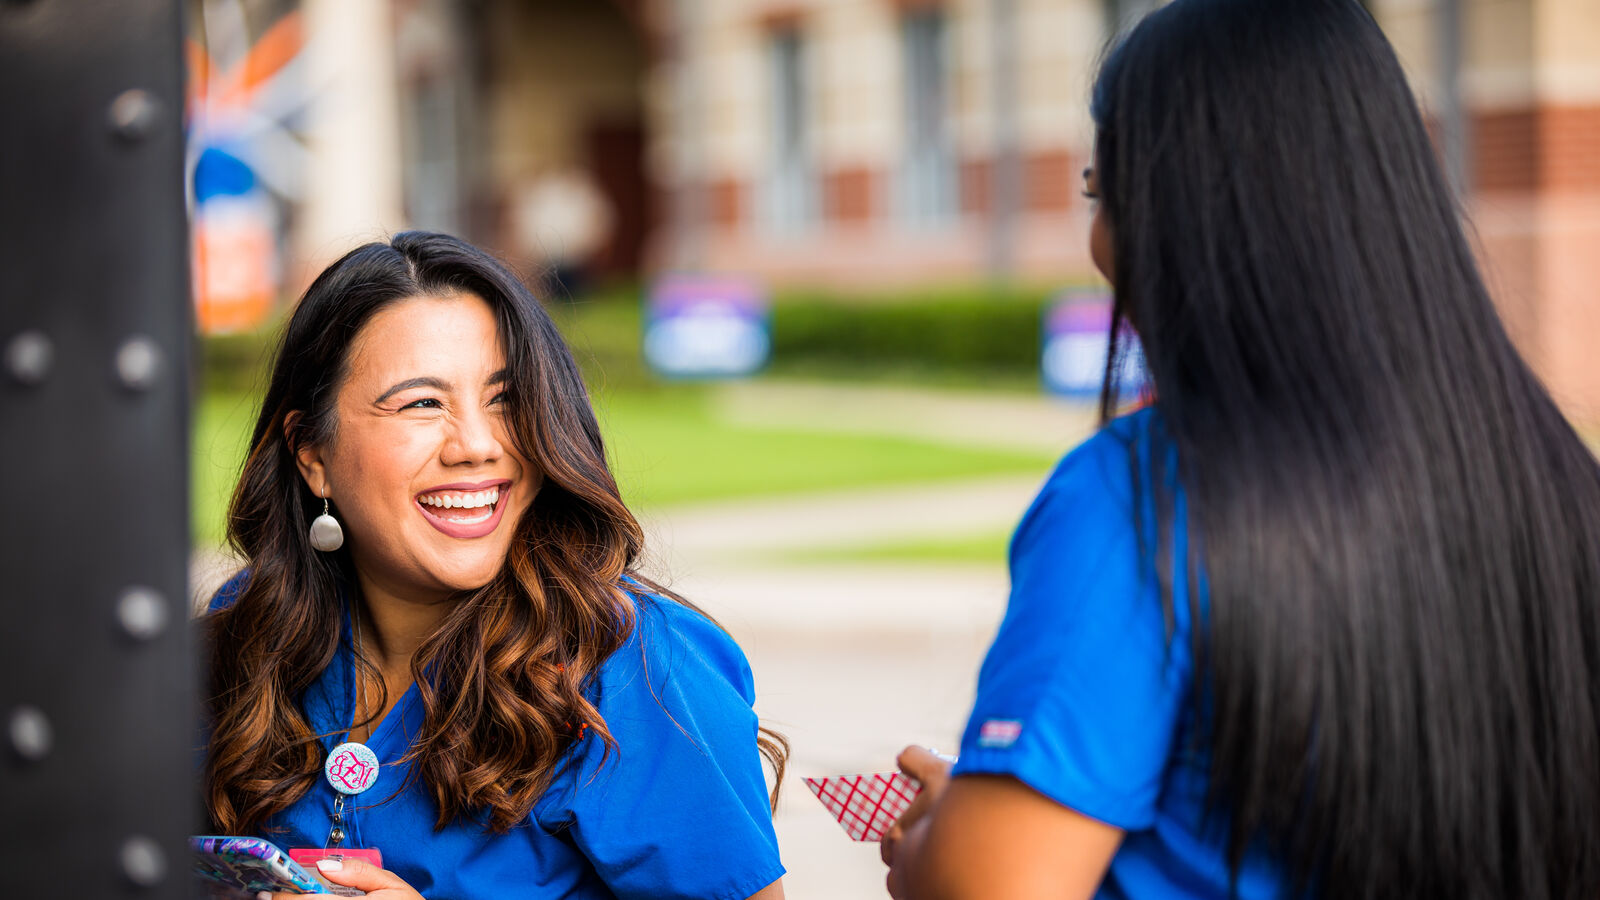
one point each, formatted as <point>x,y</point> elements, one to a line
<point>791,194</point>
<point>926,186</point>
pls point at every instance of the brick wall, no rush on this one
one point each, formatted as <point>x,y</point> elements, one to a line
<point>1543,148</point>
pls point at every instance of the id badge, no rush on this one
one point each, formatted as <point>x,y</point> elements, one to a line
<point>308,856</point>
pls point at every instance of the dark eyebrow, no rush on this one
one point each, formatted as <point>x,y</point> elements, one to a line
<point>409,383</point>
<point>499,377</point>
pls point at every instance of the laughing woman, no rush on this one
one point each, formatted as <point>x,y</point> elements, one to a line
<point>439,648</point>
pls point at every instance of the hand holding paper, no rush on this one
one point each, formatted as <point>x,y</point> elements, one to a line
<point>868,806</point>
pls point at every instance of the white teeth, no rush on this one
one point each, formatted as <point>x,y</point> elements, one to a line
<point>463,501</point>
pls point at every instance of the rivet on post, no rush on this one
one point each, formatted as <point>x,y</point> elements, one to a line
<point>30,733</point>
<point>29,356</point>
<point>142,613</point>
<point>142,861</point>
<point>138,363</point>
<point>133,115</point>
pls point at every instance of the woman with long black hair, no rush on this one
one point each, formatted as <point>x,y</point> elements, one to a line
<point>1325,619</point>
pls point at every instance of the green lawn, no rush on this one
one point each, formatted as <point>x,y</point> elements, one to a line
<point>984,549</point>
<point>667,447</point>
<point>222,423</point>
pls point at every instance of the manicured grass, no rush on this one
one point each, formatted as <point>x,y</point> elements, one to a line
<point>667,447</point>
<point>222,423</point>
<point>984,549</point>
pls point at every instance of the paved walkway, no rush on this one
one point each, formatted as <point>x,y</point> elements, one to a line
<point>971,418</point>
<point>724,556</point>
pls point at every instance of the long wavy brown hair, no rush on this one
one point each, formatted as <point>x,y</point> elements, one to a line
<point>503,680</point>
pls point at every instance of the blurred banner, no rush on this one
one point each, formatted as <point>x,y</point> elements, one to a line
<point>245,89</point>
<point>1077,337</point>
<point>707,326</point>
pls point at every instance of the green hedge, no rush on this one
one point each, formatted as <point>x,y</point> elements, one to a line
<point>974,331</point>
<point>962,335</point>
<point>237,363</point>
<point>965,334</point>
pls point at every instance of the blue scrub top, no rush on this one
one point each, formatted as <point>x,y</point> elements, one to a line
<point>1085,697</point>
<point>680,809</point>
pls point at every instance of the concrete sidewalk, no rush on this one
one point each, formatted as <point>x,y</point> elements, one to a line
<point>961,417</point>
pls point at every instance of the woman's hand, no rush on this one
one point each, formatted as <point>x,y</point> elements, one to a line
<point>380,884</point>
<point>933,773</point>
<point>991,836</point>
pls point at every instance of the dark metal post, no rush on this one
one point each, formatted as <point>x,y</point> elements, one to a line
<point>96,725</point>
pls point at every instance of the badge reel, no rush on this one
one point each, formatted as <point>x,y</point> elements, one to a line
<point>351,768</point>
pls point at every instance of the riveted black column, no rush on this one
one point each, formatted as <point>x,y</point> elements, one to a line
<point>97,774</point>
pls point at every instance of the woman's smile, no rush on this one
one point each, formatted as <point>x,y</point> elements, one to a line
<point>464,510</point>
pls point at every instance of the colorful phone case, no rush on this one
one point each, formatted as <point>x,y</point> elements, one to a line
<point>250,865</point>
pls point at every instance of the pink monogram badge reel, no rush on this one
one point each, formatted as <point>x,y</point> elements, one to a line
<point>351,768</point>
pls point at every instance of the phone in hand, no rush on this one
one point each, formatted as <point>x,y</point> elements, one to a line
<point>245,866</point>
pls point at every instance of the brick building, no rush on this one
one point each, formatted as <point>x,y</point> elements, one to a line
<point>894,142</point>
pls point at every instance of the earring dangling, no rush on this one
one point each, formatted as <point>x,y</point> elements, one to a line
<point>326,535</point>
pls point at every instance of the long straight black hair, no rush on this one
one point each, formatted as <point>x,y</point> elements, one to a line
<point>1400,532</point>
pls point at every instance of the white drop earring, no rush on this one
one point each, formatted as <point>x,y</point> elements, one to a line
<point>326,535</point>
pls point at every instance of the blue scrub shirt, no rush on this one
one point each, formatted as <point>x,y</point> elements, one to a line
<point>678,810</point>
<point>1085,697</point>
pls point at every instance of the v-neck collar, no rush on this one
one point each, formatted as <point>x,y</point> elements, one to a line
<point>330,702</point>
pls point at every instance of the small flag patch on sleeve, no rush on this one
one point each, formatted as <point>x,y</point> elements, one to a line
<point>999,733</point>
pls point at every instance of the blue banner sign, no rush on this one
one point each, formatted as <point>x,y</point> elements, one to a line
<point>1077,332</point>
<point>707,326</point>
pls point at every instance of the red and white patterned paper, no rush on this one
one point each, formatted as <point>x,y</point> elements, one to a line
<point>866,805</point>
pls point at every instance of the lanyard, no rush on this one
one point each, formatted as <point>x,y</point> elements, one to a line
<point>351,768</point>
